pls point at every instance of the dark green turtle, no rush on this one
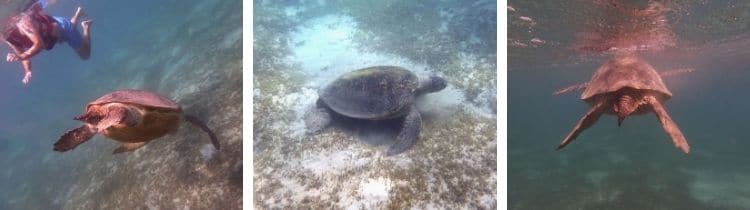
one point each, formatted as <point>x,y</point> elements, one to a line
<point>376,93</point>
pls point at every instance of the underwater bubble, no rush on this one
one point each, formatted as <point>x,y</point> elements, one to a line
<point>527,20</point>
<point>208,152</point>
<point>537,41</point>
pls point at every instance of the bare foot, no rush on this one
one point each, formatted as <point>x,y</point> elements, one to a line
<point>78,15</point>
<point>26,78</point>
<point>86,24</point>
<point>79,12</point>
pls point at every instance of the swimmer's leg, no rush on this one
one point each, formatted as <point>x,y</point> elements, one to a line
<point>84,51</point>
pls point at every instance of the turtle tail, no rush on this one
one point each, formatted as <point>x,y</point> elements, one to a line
<point>197,122</point>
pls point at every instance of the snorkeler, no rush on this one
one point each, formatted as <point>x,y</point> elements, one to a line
<point>33,30</point>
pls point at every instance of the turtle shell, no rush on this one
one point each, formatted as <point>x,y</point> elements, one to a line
<point>371,93</point>
<point>137,97</point>
<point>155,124</point>
<point>622,72</point>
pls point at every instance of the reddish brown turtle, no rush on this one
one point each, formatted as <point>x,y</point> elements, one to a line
<point>624,86</point>
<point>132,117</point>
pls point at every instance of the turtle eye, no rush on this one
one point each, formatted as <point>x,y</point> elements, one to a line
<point>95,119</point>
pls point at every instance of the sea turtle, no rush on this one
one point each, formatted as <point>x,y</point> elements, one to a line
<point>132,117</point>
<point>623,86</point>
<point>376,93</point>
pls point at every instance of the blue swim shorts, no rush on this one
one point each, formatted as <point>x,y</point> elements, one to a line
<point>69,32</point>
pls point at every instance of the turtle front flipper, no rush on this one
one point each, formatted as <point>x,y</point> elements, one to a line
<point>669,126</point>
<point>73,138</point>
<point>127,147</point>
<point>409,133</point>
<point>317,119</point>
<point>675,72</point>
<point>571,88</point>
<point>586,121</point>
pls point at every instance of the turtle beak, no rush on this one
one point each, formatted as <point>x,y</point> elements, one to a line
<point>88,118</point>
<point>82,117</point>
<point>619,120</point>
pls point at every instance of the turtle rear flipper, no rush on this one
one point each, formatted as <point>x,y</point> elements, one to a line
<point>586,121</point>
<point>669,126</point>
<point>73,138</point>
<point>197,122</point>
<point>409,133</point>
<point>127,147</point>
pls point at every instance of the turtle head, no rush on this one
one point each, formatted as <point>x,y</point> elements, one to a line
<point>623,107</point>
<point>433,83</point>
<point>90,117</point>
<point>110,114</point>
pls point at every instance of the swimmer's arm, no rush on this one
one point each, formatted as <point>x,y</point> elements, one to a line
<point>26,64</point>
<point>13,47</point>
<point>28,28</point>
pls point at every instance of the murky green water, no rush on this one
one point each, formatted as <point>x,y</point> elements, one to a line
<point>634,166</point>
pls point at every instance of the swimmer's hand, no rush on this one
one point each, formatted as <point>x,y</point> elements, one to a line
<point>26,78</point>
<point>11,57</point>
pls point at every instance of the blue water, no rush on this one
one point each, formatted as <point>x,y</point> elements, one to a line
<point>634,166</point>
<point>186,50</point>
